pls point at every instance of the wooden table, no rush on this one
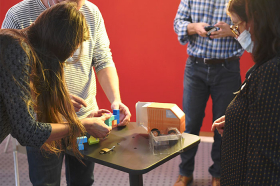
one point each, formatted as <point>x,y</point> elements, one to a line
<point>132,153</point>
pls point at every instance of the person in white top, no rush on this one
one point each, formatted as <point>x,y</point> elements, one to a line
<point>45,169</point>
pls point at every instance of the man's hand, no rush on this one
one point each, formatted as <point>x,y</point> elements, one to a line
<point>219,124</point>
<point>223,32</point>
<point>124,112</point>
<point>77,102</point>
<point>96,126</point>
<point>197,28</point>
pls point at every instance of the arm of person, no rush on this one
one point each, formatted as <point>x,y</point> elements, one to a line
<point>59,130</point>
<point>109,82</point>
<point>106,71</point>
<point>15,91</point>
<point>96,126</point>
<point>183,25</point>
<point>197,28</point>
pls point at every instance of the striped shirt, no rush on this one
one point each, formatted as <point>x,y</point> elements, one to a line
<point>79,76</point>
<point>211,12</point>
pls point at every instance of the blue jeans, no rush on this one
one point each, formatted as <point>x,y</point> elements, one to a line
<point>45,169</point>
<point>219,81</point>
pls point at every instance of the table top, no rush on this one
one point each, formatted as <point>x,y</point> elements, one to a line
<point>132,152</point>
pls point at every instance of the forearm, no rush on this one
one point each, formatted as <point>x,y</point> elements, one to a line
<point>109,81</point>
<point>58,131</point>
<point>191,29</point>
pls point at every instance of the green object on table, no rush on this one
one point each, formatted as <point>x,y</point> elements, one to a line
<point>109,121</point>
<point>92,140</point>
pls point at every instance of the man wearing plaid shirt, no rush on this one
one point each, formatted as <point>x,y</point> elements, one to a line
<point>212,69</point>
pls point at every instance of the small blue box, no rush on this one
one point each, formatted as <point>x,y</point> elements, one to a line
<point>116,112</point>
<point>81,146</point>
<point>82,139</point>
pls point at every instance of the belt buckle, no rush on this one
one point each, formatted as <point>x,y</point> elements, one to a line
<point>205,59</point>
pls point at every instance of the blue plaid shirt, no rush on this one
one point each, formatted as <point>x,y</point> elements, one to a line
<point>211,12</point>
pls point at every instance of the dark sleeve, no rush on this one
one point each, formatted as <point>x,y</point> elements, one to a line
<point>14,87</point>
<point>263,151</point>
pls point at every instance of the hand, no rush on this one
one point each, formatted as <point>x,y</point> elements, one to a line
<point>98,113</point>
<point>199,29</point>
<point>219,125</point>
<point>124,112</point>
<point>96,126</point>
<point>77,102</point>
<point>223,32</point>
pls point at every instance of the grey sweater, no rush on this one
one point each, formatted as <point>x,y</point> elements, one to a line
<point>14,91</point>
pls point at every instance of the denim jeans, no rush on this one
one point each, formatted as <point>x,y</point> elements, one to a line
<point>219,81</point>
<point>45,169</point>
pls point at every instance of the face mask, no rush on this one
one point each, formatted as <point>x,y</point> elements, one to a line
<point>245,41</point>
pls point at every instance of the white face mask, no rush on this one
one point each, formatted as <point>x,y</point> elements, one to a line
<point>245,41</point>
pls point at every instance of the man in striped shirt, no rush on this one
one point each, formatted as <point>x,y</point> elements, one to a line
<point>212,69</point>
<point>45,169</point>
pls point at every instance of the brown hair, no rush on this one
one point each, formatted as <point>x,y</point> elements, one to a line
<point>265,20</point>
<point>238,7</point>
<point>48,42</point>
<point>54,36</point>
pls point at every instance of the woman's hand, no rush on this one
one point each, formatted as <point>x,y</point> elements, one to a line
<point>96,127</point>
<point>219,124</point>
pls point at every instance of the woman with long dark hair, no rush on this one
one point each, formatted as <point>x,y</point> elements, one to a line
<point>250,150</point>
<point>34,102</point>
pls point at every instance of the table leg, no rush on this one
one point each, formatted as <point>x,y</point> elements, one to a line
<point>135,179</point>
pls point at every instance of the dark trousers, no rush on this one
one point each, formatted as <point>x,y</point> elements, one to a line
<point>45,169</point>
<point>202,80</point>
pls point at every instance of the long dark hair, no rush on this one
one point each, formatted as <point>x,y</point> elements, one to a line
<point>265,20</point>
<point>48,42</point>
<point>54,36</point>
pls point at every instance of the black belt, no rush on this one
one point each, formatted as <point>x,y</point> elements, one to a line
<point>213,61</point>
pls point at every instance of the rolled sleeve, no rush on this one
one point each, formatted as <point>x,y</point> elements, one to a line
<point>181,22</point>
